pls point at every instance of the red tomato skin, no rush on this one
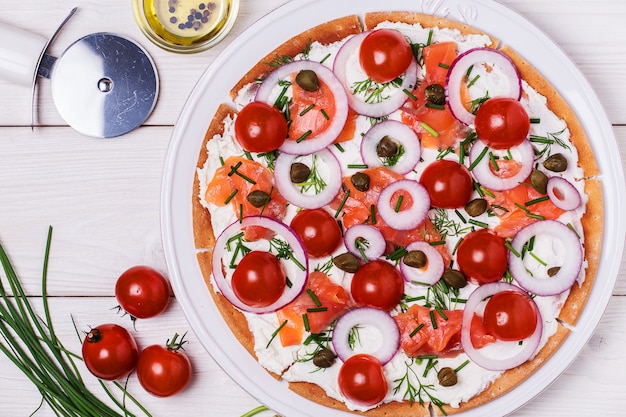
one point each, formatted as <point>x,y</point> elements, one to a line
<point>510,316</point>
<point>110,352</point>
<point>259,279</point>
<point>482,256</point>
<point>449,184</point>
<point>163,372</point>
<point>318,230</point>
<point>377,284</point>
<point>384,55</point>
<point>260,127</point>
<point>502,123</point>
<point>142,292</point>
<point>361,379</point>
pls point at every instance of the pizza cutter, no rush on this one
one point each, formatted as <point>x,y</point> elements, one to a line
<point>103,85</point>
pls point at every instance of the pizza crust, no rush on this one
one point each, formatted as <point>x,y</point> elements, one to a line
<point>592,220</point>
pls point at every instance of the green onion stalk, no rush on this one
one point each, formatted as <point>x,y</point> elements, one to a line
<point>29,341</point>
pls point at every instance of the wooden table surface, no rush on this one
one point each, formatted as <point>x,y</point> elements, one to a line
<point>103,198</point>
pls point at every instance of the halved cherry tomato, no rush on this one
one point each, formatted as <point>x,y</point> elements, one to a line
<point>384,55</point>
<point>449,184</point>
<point>482,256</point>
<point>502,123</point>
<point>361,380</point>
<point>259,279</point>
<point>142,292</point>
<point>164,370</point>
<point>510,316</point>
<point>109,351</point>
<point>260,127</point>
<point>318,230</point>
<point>377,284</point>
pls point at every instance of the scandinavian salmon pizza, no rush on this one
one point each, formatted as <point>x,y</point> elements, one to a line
<point>397,215</point>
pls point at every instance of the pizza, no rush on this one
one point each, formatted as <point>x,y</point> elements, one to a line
<point>397,214</point>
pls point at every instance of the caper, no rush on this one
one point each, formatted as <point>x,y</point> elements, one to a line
<point>454,278</point>
<point>539,181</point>
<point>258,198</point>
<point>299,172</point>
<point>556,163</point>
<point>360,181</point>
<point>324,358</point>
<point>553,271</point>
<point>307,80</point>
<point>386,147</point>
<point>346,262</point>
<point>476,207</point>
<point>447,377</point>
<point>416,259</point>
<point>436,94</point>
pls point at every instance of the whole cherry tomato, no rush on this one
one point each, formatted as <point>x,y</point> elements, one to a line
<point>510,316</point>
<point>361,380</point>
<point>260,127</point>
<point>482,256</point>
<point>318,230</point>
<point>449,184</point>
<point>384,55</point>
<point>259,279</point>
<point>164,370</point>
<point>377,284</point>
<point>109,351</point>
<point>502,123</point>
<point>142,292</point>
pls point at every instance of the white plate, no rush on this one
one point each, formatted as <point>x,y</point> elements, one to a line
<point>260,39</point>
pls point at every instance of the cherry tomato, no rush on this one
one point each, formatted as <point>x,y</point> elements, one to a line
<point>482,256</point>
<point>384,55</point>
<point>502,123</point>
<point>109,352</point>
<point>260,127</point>
<point>377,284</point>
<point>142,292</point>
<point>318,230</point>
<point>449,184</point>
<point>259,279</point>
<point>510,316</point>
<point>164,371</point>
<point>361,380</point>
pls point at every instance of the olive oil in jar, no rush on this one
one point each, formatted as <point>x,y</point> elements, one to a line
<point>186,25</point>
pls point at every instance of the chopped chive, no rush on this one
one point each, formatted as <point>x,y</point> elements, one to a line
<point>441,313</point>
<point>435,106</point>
<point>429,129</point>
<point>469,71</point>
<point>240,213</point>
<point>538,259</point>
<point>288,282</point>
<point>234,170</point>
<point>531,243</point>
<point>494,162</point>
<point>339,147</point>
<point>373,213</point>
<point>478,223</point>
<point>283,324</point>
<point>489,193</point>
<point>306,110</point>
<point>324,114</point>
<point>409,94</point>
<point>221,160</point>
<point>357,166</point>
<point>398,253</point>
<point>248,155</point>
<point>444,66</point>
<point>399,203</point>
<point>430,37</point>
<point>304,136</point>
<point>230,197</point>
<point>535,120</point>
<point>518,205</point>
<point>536,200</point>
<point>571,226</point>
<point>314,297</point>
<point>471,83</point>
<point>461,366</point>
<point>437,243</point>
<point>512,249</point>
<point>535,216</point>
<point>297,262</point>
<point>456,246</point>
<point>317,310</point>
<point>279,100</point>
<point>541,139</point>
<point>417,329</point>
<point>305,320</point>
<point>325,58</point>
<point>458,213</point>
<point>343,202</point>
<point>426,357</point>
<point>459,300</point>
<point>477,160</point>
<point>433,321</point>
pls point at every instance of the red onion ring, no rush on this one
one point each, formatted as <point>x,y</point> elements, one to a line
<point>343,61</point>
<point>293,194</point>
<point>298,280</point>
<point>431,273</point>
<point>367,316</point>
<point>398,132</point>
<point>529,346</point>
<point>376,243</point>
<point>571,249</point>
<point>458,69</point>
<point>317,142</point>
<point>404,219</point>
<point>563,194</point>
<point>482,169</point>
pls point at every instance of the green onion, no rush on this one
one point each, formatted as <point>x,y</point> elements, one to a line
<point>31,344</point>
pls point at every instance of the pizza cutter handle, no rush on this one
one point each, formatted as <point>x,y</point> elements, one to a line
<point>20,54</point>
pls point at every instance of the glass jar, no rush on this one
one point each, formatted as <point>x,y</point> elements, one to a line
<point>185,26</point>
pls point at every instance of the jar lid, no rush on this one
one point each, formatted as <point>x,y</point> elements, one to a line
<point>185,26</point>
